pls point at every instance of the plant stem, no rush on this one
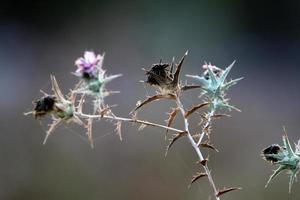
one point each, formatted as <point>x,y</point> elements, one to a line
<point>196,147</point>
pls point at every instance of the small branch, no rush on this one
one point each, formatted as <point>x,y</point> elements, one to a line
<point>207,124</point>
<point>127,120</point>
<point>196,147</point>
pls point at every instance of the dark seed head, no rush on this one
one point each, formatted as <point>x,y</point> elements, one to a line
<point>217,72</point>
<point>159,75</point>
<point>44,105</point>
<point>273,149</point>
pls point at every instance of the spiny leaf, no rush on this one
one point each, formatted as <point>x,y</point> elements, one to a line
<point>189,87</point>
<point>119,129</point>
<point>226,72</point>
<point>210,146</point>
<point>171,118</point>
<point>225,190</point>
<point>56,89</point>
<point>176,74</point>
<point>177,136</point>
<point>153,98</point>
<point>196,177</point>
<point>192,110</point>
<point>276,172</point>
<point>286,142</point>
<point>53,126</point>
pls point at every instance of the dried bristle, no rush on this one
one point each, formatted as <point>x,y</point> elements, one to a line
<point>44,105</point>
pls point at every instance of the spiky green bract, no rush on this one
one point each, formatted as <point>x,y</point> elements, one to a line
<point>285,157</point>
<point>215,85</point>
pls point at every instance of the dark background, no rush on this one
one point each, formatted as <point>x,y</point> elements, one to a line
<point>39,38</point>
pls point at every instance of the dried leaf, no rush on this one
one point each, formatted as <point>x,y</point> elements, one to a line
<point>210,146</point>
<point>177,136</point>
<point>220,115</point>
<point>191,111</point>
<point>104,111</point>
<point>207,129</point>
<point>225,190</point>
<point>204,162</point>
<point>171,118</point>
<point>118,129</point>
<point>189,87</point>
<point>197,135</point>
<point>148,100</point>
<point>197,177</point>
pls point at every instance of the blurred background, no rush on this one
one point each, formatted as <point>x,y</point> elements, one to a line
<point>39,38</point>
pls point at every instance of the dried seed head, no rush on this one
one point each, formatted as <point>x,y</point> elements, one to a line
<point>268,153</point>
<point>43,106</point>
<point>161,75</point>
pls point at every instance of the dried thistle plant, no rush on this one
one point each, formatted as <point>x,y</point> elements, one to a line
<point>285,157</point>
<point>214,86</point>
<point>165,78</point>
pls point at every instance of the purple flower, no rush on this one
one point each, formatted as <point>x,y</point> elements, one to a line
<point>89,64</point>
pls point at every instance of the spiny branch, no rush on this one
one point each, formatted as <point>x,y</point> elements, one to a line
<point>196,147</point>
<point>115,118</point>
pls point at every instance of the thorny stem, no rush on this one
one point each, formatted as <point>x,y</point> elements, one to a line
<point>207,124</point>
<point>127,120</point>
<point>196,147</point>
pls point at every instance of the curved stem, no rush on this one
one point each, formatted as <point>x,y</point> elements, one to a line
<point>196,147</point>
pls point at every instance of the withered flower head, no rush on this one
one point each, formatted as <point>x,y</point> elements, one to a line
<point>44,105</point>
<point>60,108</point>
<point>161,75</point>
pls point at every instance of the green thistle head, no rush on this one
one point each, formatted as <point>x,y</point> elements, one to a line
<point>215,85</point>
<point>285,157</point>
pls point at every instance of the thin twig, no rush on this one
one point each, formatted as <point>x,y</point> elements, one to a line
<point>128,120</point>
